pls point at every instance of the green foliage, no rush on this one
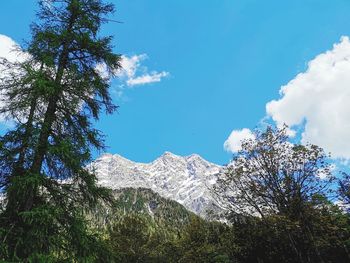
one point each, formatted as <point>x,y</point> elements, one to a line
<point>145,227</point>
<point>323,236</point>
<point>344,191</point>
<point>203,242</point>
<point>270,175</point>
<point>134,239</point>
<point>276,193</point>
<point>158,211</point>
<point>52,97</point>
<point>130,240</point>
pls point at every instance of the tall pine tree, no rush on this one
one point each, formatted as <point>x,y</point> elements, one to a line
<point>52,98</point>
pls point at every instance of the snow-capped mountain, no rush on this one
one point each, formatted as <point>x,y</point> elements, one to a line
<point>186,180</point>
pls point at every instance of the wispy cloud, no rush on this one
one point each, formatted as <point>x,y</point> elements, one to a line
<point>133,73</point>
<point>147,78</point>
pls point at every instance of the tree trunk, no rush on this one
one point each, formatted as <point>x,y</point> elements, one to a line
<point>19,166</point>
<point>50,114</point>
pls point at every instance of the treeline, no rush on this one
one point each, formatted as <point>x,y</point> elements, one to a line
<point>134,238</point>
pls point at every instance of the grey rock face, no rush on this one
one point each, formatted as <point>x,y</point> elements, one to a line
<point>187,180</point>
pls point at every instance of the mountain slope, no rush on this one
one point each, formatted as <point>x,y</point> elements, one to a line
<point>159,211</point>
<point>186,180</point>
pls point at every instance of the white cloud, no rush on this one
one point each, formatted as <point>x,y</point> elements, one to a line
<point>10,50</point>
<point>324,173</point>
<point>102,70</point>
<point>234,141</point>
<point>319,100</point>
<point>148,78</point>
<point>130,65</point>
<point>133,73</point>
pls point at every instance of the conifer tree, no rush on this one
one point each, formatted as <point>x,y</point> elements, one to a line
<point>52,98</point>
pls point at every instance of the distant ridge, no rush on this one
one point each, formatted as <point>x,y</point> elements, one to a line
<point>185,179</point>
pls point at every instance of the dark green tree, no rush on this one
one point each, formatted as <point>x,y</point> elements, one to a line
<point>277,238</point>
<point>129,239</point>
<point>52,98</point>
<point>203,241</point>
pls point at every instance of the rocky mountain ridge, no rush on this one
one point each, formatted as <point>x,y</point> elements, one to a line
<point>187,180</point>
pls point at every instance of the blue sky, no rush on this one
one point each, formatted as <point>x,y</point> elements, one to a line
<point>221,63</point>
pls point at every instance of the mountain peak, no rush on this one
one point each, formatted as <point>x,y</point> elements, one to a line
<point>167,157</point>
<point>195,156</point>
<point>183,179</point>
<point>167,153</point>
